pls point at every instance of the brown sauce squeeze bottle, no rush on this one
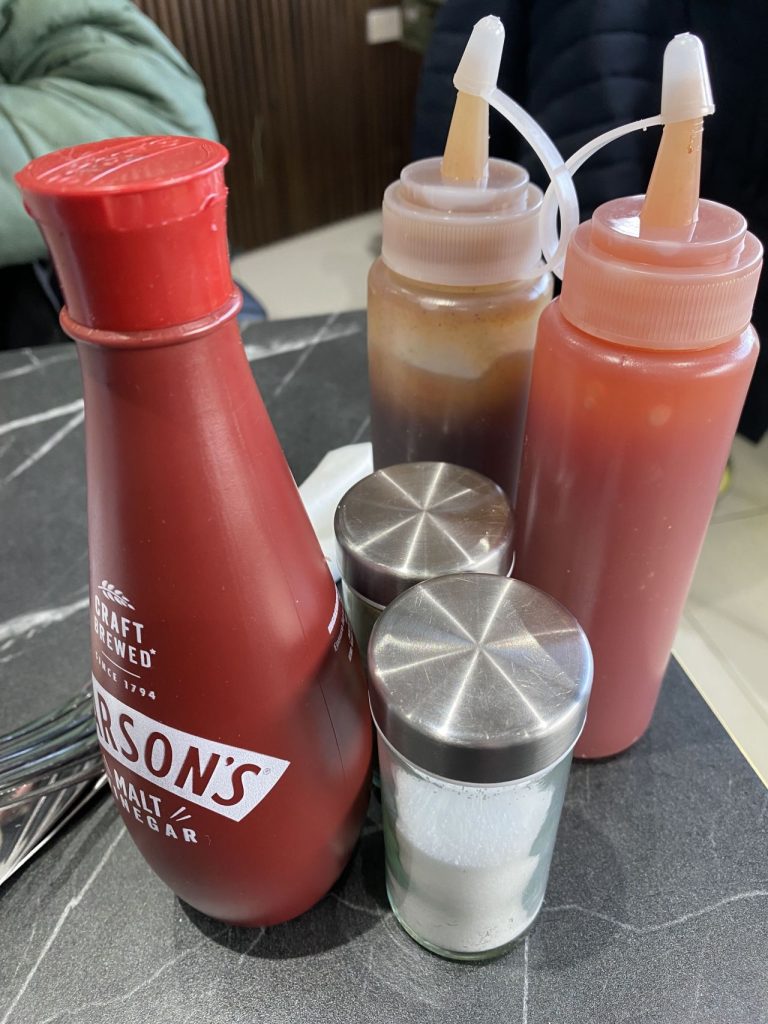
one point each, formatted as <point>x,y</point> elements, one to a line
<point>454,301</point>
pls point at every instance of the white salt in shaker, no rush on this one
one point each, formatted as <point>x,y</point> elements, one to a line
<point>410,522</point>
<point>479,688</point>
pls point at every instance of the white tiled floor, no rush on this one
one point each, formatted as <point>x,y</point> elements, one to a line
<point>322,271</point>
<point>723,637</point>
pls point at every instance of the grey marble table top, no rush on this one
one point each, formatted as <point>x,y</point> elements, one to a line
<point>657,908</point>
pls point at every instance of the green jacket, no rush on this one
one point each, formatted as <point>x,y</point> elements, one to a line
<point>78,70</point>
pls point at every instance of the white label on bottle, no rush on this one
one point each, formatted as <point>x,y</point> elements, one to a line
<point>227,780</point>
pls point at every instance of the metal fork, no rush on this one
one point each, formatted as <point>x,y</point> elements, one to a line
<point>49,769</point>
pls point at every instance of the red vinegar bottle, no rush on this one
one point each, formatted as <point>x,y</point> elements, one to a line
<point>229,698</point>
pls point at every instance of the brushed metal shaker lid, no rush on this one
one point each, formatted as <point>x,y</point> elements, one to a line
<point>479,678</point>
<point>410,522</point>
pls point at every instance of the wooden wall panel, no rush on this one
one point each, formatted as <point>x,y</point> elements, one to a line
<point>317,121</point>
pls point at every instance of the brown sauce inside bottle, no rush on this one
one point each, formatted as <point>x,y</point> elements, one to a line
<point>449,373</point>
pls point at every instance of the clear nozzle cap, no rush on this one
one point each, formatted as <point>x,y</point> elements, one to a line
<point>686,91</point>
<point>478,69</point>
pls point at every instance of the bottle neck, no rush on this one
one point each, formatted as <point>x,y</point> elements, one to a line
<point>157,338</point>
<point>448,291</point>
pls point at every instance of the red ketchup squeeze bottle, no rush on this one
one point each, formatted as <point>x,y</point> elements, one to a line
<point>640,372</point>
<point>230,702</point>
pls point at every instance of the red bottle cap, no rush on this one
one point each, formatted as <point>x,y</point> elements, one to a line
<point>136,228</point>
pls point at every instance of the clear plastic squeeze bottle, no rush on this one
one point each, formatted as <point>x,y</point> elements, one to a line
<point>455,298</point>
<point>641,368</point>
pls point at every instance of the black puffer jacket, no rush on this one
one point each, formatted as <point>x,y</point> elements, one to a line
<point>583,66</point>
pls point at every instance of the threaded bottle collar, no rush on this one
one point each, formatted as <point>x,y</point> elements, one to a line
<point>449,234</point>
<point>661,293</point>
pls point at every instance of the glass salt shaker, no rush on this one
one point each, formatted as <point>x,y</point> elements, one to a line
<point>479,688</point>
<point>410,522</point>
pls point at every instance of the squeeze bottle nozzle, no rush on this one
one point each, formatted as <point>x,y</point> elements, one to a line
<point>686,94</point>
<point>477,75</point>
<point>666,270</point>
<point>465,219</point>
<point>672,200</point>
<point>465,160</point>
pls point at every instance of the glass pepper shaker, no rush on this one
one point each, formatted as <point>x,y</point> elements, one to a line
<point>408,523</point>
<point>479,688</point>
